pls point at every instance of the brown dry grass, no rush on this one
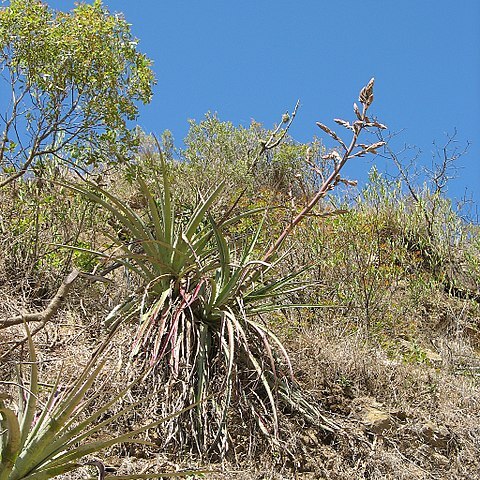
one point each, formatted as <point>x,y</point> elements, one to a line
<point>344,373</point>
<point>430,377</point>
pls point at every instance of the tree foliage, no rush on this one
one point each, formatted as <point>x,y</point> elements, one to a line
<point>74,78</point>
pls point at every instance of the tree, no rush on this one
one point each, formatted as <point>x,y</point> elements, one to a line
<point>74,79</point>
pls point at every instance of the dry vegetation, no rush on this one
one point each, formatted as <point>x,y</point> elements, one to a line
<point>387,351</point>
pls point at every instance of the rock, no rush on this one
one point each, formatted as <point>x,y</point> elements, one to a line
<point>310,438</point>
<point>439,459</point>
<point>398,414</point>
<point>430,455</point>
<point>376,420</point>
<point>421,353</point>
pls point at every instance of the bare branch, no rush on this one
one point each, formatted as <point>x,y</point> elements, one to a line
<point>272,141</point>
<point>52,308</point>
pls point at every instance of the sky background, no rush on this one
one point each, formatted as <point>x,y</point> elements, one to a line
<point>253,59</point>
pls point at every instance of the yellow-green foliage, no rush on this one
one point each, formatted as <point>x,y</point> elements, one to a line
<point>38,216</point>
<point>76,79</point>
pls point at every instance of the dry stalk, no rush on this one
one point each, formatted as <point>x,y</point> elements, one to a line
<point>362,122</point>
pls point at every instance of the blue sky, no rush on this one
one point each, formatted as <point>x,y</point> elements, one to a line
<point>255,58</point>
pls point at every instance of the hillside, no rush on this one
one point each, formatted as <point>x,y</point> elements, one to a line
<point>384,351</point>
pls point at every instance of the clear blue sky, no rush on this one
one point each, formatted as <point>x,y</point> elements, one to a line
<point>255,58</point>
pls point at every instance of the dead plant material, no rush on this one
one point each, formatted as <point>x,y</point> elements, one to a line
<point>52,308</point>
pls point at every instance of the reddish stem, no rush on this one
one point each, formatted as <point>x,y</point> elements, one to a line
<point>326,186</point>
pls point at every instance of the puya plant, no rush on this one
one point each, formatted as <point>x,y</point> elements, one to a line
<point>202,292</point>
<point>39,441</point>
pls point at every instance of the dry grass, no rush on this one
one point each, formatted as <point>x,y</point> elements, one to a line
<point>345,374</point>
<point>348,376</point>
<point>415,359</point>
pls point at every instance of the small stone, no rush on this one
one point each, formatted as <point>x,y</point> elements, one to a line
<point>433,357</point>
<point>439,459</point>
<point>398,414</point>
<point>377,421</point>
<point>310,438</point>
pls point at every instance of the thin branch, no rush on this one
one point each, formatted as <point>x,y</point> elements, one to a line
<point>20,172</point>
<point>272,142</point>
<point>52,308</point>
<point>18,343</point>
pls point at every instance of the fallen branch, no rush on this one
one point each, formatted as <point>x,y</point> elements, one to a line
<point>52,308</point>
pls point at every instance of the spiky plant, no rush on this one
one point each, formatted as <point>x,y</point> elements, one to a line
<point>202,291</point>
<point>39,442</point>
<point>196,325</point>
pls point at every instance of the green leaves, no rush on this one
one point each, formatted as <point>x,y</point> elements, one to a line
<point>41,445</point>
<point>10,440</point>
<point>75,79</point>
<point>201,289</point>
